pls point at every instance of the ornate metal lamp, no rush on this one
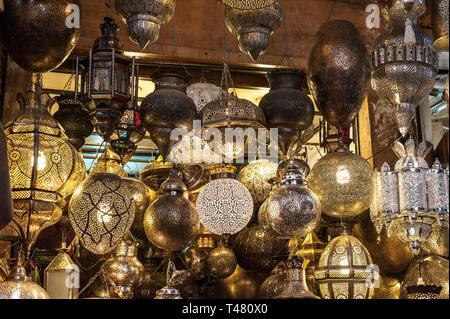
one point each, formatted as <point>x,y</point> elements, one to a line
<point>439,24</point>
<point>253,28</point>
<point>404,62</point>
<point>108,80</point>
<point>44,168</point>
<point>145,18</point>
<point>412,197</point>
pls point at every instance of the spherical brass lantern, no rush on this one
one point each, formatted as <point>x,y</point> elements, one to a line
<point>144,18</point>
<point>101,212</point>
<point>221,262</point>
<point>258,178</point>
<point>404,73</point>
<point>44,168</point>
<point>37,33</point>
<point>253,28</point>
<point>343,271</point>
<point>224,205</point>
<point>18,286</point>
<point>172,222</point>
<point>248,4</point>
<point>292,210</point>
<point>343,183</point>
<point>255,249</point>
<point>433,270</point>
<point>166,109</point>
<point>339,53</point>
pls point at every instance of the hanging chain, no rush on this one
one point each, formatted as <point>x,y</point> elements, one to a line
<point>285,35</point>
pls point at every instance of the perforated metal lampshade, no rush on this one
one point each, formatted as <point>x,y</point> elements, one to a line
<point>248,4</point>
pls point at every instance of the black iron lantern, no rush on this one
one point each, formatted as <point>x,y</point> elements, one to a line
<point>108,80</point>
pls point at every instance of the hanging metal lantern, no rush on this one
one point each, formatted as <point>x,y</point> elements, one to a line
<point>343,271</point>
<point>427,278</point>
<point>166,109</point>
<point>101,212</point>
<point>18,286</point>
<point>44,168</point>
<point>340,99</point>
<point>295,286</point>
<point>413,197</point>
<point>221,262</point>
<point>439,24</point>
<point>403,73</point>
<point>36,33</point>
<point>74,118</point>
<point>253,28</point>
<point>255,249</point>
<point>62,277</point>
<point>171,222</point>
<point>123,272</point>
<point>224,205</point>
<point>343,182</point>
<point>248,4</point>
<point>6,214</point>
<point>145,18</point>
<point>108,80</point>
<point>203,93</point>
<point>292,210</point>
<point>286,107</point>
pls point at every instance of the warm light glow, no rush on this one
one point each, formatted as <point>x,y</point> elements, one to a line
<point>41,162</point>
<point>342,175</point>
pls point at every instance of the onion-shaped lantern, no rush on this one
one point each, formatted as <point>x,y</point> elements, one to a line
<point>166,109</point>
<point>44,168</point>
<point>343,182</point>
<point>286,107</point>
<point>248,4</point>
<point>172,222</point>
<point>109,163</point>
<point>145,18</point>
<point>221,262</point>
<point>123,272</point>
<point>292,210</point>
<point>343,271</point>
<point>101,212</point>
<point>45,40</point>
<point>74,118</point>
<point>108,80</point>
<point>340,99</point>
<point>253,28</point>
<point>404,62</point>
<point>224,205</point>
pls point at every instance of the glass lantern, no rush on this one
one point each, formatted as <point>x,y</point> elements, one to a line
<point>62,277</point>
